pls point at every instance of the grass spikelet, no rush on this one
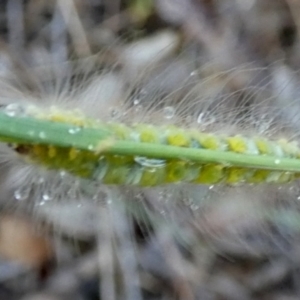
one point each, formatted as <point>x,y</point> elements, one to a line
<point>190,135</point>
<point>140,152</point>
<point>181,155</point>
<point>165,145</point>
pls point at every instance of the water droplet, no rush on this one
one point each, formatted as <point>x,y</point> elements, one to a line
<point>194,73</point>
<point>205,118</point>
<point>150,162</point>
<point>90,147</point>
<point>22,193</point>
<point>62,174</point>
<point>136,101</point>
<point>200,118</point>
<point>211,187</point>
<point>13,110</point>
<point>298,198</point>
<point>74,130</point>
<point>277,161</point>
<point>169,112</point>
<point>42,135</point>
<point>46,196</point>
<point>194,207</point>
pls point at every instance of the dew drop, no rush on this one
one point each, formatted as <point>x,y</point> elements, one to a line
<point>13,110</point>
<point>194,207</point>
<point>90,147</point>
<point>298,198</point>
<point>149,162</point>
<point>42,135</point>
<point>22,193</point>
<point>277,161</point>
<point>74,130</point>
<point>211,187</point>
<point>46,196</point>
<point>136,101</point>
<point>194,73</point>
<point>169,112</point>
<point>200,118</point>
<point>205,118</point>
<point>62,174</point>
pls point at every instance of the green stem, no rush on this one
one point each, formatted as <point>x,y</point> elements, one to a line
<point>205,156</point>
<point>36,131</point>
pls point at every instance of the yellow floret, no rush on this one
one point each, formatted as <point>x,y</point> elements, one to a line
<point>237,144</point>
<point>176,137</point>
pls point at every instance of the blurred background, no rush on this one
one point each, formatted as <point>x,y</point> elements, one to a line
<point>234,243</point>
